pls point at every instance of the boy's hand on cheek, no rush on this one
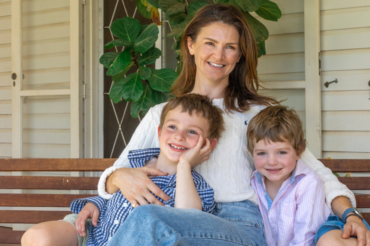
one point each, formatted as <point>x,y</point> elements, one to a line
<point>198,154</point>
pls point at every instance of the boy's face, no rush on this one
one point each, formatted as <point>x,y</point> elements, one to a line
<point>275,161</point>
<point>180,132</point>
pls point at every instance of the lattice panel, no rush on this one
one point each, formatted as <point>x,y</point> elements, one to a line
<point>118,123</point>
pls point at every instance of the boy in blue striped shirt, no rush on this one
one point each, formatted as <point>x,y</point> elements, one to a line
<point>189,128</point>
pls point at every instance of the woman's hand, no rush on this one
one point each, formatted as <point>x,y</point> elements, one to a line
<point>355,227</point>
<point>89,211</point>
<point>136,186</point>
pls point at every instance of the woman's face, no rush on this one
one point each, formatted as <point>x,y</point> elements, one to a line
<point>216,52</point>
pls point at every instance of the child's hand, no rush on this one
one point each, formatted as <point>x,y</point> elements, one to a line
<point>89,211</point>
<point>197,154</point>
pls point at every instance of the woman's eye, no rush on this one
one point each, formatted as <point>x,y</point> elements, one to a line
<point>231,47</point>
<point>209,43</point>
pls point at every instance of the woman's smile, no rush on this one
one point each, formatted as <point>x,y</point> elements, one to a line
<point>216,52</point>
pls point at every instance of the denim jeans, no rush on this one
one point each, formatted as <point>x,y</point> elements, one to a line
<point>236,223</point>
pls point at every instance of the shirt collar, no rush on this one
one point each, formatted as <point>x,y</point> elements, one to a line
<point>138,157</point>
<point>300,169</point>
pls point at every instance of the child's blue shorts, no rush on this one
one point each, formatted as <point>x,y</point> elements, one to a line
<point>333,223</point>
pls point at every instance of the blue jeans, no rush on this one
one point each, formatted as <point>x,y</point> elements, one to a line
<point>236,223</point>
<point>333,223</point>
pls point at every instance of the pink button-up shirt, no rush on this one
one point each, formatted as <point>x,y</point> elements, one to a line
<point>297,211</point>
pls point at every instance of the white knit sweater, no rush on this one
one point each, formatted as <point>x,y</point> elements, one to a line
<point>229,168</point>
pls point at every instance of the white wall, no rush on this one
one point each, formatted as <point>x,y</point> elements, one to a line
<point>345,45</point>
<point>5,80</point>
<point>285,55</point>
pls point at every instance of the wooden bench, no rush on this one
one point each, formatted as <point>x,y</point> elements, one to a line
<point>90,183</point>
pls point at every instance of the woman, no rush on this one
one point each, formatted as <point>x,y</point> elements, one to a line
<point>220,60</point>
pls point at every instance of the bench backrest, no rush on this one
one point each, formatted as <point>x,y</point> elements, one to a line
<point>43,183</point>
<point>90,183</point>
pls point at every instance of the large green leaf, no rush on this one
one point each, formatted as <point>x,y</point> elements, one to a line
<point>261,49</point>
<point>249,5</point>
<point>269,11</point>
<point>165,5</point>
<point>178,30</point>
<point>116,43</point>
<point>144,103</point>
<point>143,10</point>
<point>177,44</point>
<point>260,32</point>
<point>175,9</point>
<point>119,65</point>
<point>147,38</point>
<point>108,58</point>
<point>120,75</point>
<point>133,88</point>
<point>195,6</point>
<point>126,28</point>
<point>228,2</point>
<point>155,3</point>
<point>159,97</point>
<point>145,72</point>
<point>116,91</point>
<point>177,18</point>
<point>162,79</point>
<point>150,56</point>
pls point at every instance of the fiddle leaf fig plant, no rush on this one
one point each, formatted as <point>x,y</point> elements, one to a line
<point>147,87</point>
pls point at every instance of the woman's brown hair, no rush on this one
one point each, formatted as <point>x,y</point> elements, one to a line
<point>243,80</point>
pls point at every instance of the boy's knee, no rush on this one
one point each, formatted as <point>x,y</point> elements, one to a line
<point>36,235</point>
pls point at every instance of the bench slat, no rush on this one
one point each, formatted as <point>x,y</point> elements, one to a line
<point>49,183</point>
<point>38,200</point>
<point>11,237</point>
<point>356,183</point>
<point>55,164</point>
<point>30,217</point>
<point>343,165</point>
<point>363,201</point>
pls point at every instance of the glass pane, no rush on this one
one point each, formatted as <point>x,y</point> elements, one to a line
<point>46,57</point>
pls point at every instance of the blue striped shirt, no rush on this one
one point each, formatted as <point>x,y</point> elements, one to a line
<point>113,212</point>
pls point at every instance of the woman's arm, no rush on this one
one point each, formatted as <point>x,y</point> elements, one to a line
<point>338,198</point>
<point>333,188</point>
<point>135,184</point>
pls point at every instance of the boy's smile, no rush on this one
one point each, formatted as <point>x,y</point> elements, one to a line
<point>179,133</point>
<point>275,161</point>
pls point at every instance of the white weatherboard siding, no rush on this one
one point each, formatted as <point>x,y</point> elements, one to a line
<point>345,35</point>
<point>46,66</point>
<point>284,64</point>
<point>5,81</point>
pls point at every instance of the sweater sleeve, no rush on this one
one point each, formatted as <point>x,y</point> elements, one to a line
<point>145,136</point>
<point>333,188</point>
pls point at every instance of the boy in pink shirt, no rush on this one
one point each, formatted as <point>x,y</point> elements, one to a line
<point>291,197</point>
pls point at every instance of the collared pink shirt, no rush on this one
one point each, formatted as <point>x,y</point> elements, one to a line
<point>297,211</point>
